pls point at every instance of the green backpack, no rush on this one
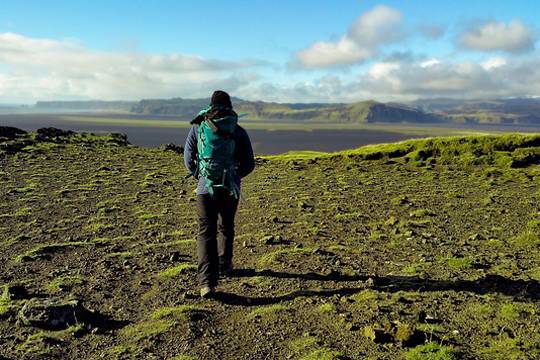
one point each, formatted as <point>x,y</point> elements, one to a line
<point>215,151</point>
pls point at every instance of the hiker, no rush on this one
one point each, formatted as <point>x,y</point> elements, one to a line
<point>218,153</point>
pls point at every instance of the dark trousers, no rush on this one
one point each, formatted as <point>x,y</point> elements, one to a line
<point>215,215</point>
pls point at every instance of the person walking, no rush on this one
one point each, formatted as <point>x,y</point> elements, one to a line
<point>219,154</point>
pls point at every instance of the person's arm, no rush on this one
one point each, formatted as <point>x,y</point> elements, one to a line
<point>244,153</point>
<point>190,151</point>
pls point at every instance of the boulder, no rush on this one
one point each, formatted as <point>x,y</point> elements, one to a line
<point>119,139</point>
<point>272,240</point>
<point>14,146</point>
<point>52,134</point>
<point>174,148</point>
<point>17,292</point>
<point>52,314</point>
<point>10,133</point>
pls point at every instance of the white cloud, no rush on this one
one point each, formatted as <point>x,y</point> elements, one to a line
<point>492,78</point>
<point>381,25</point>
<point>499,36</point>
<point>43,69</point>
<point>411,79</point>
<point>326,54</point>
<point>430,62</point>
<point>51,69</point>
<point>493,63</point>
<point>382,70</point>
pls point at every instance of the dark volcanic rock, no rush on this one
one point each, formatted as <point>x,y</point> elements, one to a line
<point>17,292</point>
<point>14,146</point>
<point>525,157</point>
<point>172,147</point>
<point>273,240</point>
<point>52,134</point>
<point>51,314</point>
<point>119,139</point>
<point>10,133</point>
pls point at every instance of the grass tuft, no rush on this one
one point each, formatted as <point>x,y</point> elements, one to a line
<point>42,343</point>
<point>327,308</point>
<point>323,354</point>
<point>458,263</point>
<point>268,311</point>
<point>526,238</point>
<point>5,301</point>
<point>278,255</point>
<point>366,295</point>
<point>431,351</point>
<point>146,329</point>
<point>177,270</point>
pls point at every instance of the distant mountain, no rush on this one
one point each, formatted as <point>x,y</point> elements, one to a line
<point>185,108</point>
<point>502,111</point>
<point>11,106</point>
<point>14,108</point>
<point>438,110</point>
<point>91,105</point>
<point>365,111</point>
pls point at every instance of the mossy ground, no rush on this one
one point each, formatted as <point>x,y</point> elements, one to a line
<point>386,237</point>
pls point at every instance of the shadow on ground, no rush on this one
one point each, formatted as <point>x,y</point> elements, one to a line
<point>524,289</point>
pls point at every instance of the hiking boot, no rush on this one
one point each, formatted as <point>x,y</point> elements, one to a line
<point>207,292</point>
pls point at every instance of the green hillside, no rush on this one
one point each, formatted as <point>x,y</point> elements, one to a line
<point>525,111</point>
<point>359,112</point>
<point>495,111</point>
<point>424,249</point>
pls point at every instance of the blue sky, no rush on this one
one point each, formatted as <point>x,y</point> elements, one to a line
<point>270,50</point>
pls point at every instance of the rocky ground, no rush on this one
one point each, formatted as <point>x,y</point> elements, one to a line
<point>422,250</point>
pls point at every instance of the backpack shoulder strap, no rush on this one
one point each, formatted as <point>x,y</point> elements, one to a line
<point>216,130</point>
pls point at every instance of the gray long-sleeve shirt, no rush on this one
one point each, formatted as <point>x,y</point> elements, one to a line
<point>243,154</point>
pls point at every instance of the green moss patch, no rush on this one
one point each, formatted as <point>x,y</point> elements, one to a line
<point>432,351</point>
<point>146,329</point>
<point>177,270</point>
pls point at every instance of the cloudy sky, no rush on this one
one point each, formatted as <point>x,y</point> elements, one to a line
<point>280,50</point>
